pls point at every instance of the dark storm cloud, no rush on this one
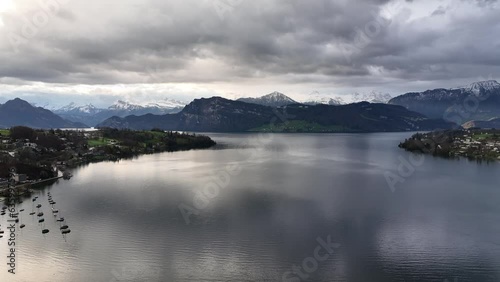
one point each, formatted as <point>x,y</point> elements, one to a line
<point>326,41</point>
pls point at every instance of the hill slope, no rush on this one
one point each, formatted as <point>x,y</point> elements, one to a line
<point>19,112</point>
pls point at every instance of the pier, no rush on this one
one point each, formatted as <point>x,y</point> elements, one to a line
<point>25,188</point>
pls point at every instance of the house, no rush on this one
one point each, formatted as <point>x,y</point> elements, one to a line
<point>30,145</point>
<point>4,182</point>
<point>20,177</point>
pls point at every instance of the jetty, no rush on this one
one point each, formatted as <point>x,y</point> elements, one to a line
<point>25,188</point>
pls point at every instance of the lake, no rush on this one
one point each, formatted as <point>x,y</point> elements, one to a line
<point>272,207</point>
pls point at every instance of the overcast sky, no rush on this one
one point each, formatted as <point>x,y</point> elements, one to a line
<point>57,51</point>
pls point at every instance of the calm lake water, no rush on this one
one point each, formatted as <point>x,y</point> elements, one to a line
<point>257,208</point>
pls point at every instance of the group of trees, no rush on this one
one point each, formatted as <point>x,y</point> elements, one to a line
<point>50,139</point>
<point>157,140</point>
<point>35,163</point>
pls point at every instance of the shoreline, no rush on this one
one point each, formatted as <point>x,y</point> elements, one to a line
<point>475,144</point>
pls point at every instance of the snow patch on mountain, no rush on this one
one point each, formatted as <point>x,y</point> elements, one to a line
<point>317,99</point>
<point>275,99</point>
<point>74,108</point>
<point>478,87</point>
<point>121,105</point>
<point>165,104</point>
<point>372,97</point>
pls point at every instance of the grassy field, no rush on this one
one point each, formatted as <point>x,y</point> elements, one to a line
<point>99,142</point>
<point>484,136</point>
<point>5,132</point>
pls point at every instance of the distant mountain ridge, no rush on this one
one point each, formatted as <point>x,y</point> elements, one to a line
<point>93,115</point>
<point>324,101</point>
<point>19,112</point>
<point>75,109</point>
<point>477,101</point>
<point>217,114</point>
<point>372,97</point>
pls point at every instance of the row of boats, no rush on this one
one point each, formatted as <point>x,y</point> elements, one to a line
<point>64,227</point>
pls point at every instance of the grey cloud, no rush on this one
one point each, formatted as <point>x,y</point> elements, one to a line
<point>292,41</point>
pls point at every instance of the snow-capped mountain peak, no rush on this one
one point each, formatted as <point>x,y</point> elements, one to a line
<point>74,108</point>
<point>69,107</point>
<point>123,105</point>
<point>89,108</point>
<point>317,99</point>
<point>372,97</point>
<point>487,85</point>
<point>277,97</point>
<point>165,104</point>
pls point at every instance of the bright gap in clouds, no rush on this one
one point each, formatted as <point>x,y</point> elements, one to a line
<point>5,7</point>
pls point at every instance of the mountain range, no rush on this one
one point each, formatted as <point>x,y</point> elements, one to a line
<point>91,115</point>
<point>475,105</point>
<point>277,99</point>
<point>217,114</point>
<point>19,112</point>
<point>479,101</point>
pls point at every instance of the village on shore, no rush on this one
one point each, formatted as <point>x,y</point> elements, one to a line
<point>474,143</point>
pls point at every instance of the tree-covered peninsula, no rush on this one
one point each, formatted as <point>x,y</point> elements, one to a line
<point>39,154</point>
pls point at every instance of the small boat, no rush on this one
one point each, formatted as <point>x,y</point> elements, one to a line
<point>55,211</point>
<point>67,231</point>
<point>32,213</point>
<point>1,232</point>
<point>60,219</point>
<point>52,203</point>
<point>41,220</point>
<point>20,202</point>
<point>40,214</point>
<point>45,231</point>
<point>21,210</point>
<point>64,227</point>
<point>34,199</point>
<point>39,205</point>
<point>2,213</point>
<point>22,226</point>
<point>4,207</point>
